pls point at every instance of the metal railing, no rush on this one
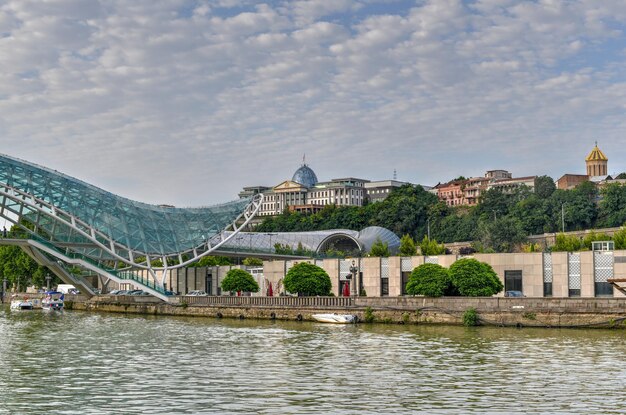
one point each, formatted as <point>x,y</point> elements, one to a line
<point>339,302</point>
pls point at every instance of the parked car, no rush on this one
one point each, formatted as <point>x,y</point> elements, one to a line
<point>513,294</point>
<point>197,293</point>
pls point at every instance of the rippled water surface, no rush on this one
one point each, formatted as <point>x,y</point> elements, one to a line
<point>107,363</point>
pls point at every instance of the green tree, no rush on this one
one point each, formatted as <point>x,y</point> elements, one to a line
<point>407,246</point>
<point>237,280</point>
<point>431,280</point>
<point>307,280</point>
<point>431,247</point>
<point>619,238</point>
<point>253,262</point>
<point>502,235</point>
<point>473,278</point>
<point>544,186</point>
<point>567,243</point>
<point>593,237</point>
<point>380,249</point>
<point>213,261</point>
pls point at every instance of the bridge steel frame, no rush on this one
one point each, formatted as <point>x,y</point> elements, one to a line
<point>96,250</point>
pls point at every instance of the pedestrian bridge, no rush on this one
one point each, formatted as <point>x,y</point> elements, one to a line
<point>72,222</point>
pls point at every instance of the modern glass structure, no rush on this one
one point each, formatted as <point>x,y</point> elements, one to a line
<point>72,221</point>
<point>313,243</point>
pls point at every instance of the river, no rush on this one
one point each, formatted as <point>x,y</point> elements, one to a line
<point>87,363</point>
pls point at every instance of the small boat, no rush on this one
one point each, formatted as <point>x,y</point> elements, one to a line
<point>53,301</point>
<point>335,318</point>
<point>21,304</point>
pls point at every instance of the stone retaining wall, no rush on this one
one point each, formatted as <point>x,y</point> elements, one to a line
<point>520,312</point>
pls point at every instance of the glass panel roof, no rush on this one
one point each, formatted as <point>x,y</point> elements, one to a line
<point>139,226</point>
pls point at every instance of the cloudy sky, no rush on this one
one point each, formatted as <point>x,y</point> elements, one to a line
<point>187,101</point>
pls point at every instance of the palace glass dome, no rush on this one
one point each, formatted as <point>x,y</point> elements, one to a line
<point>305,176</point>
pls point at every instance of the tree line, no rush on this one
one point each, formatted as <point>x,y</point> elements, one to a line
<point>500,222</point>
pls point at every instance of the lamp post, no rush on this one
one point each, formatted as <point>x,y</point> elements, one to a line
<point>48,278</point>
<point>271,246</point>
<point>353,271</point>
<point>239,247</point>
<point>428,227</point>
<point>563,217</point>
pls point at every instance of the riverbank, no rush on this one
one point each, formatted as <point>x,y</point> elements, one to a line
<point>518,312</point>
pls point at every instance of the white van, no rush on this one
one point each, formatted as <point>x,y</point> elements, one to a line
<point>67,289</point>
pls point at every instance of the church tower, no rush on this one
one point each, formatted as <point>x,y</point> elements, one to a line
<point>596,162</point>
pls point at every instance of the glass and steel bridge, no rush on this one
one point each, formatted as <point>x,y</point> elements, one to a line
<point>72,222</point>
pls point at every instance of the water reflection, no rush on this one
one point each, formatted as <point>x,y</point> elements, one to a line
<point>102,363</point>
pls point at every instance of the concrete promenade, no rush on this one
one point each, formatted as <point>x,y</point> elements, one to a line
<point>498,311</point>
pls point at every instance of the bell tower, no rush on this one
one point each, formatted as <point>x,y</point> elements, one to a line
<point>597,162</point>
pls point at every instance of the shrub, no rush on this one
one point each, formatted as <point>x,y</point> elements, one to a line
<point>472,278</point>
<point>307,279</point>
<point>369,317</point>
<point>239,280</point>
<point>470,317</point>
<point>407,246</point>
<point>253,262</point>
<point>431,280</point>
<point>379,249</point>
<point>431,247</point>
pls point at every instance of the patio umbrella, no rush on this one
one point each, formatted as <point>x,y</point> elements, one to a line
<point>270,291</point>
<point>346,289</point>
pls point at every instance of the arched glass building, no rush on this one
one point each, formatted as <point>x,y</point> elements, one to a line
<point>313,243</point>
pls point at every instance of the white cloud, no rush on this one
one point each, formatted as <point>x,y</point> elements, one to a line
<point>185,102</point>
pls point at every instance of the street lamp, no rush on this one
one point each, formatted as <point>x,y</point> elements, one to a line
<point>239,247</point>
<point>563,217</point>
<point>353,271</point>
<point>48,278</point>
<point>428,227</point>
<point>270,235</point>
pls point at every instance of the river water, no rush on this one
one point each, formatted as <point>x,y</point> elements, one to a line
<point>86,363</point>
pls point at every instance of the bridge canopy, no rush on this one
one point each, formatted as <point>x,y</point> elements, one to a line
<point>75,212</point>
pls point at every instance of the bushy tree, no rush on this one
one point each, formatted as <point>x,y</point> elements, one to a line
<point>253,262</point>
<point>431,280</point>
<point>239,280</point>
<point>407,246</point>
<point>619,238</point>
<point>593,237</point>
<point>308,280</point>
<point>473,278</point>
<point>431,247</point>
<point>567,243</point>
<point>502,235</point>
<point>212,261</point>
<point>380,249</point>
<point>544,186</point>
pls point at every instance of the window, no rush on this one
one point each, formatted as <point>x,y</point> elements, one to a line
<point>405,280</point>
<point>384,287</point>
<point>547,289</point>
<point>513,280</point>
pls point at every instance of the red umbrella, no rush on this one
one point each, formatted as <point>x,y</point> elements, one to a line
<point>346,289</point>
<point>270,291</point>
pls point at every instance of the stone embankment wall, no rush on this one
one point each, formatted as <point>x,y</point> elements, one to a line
<point>520,312</point>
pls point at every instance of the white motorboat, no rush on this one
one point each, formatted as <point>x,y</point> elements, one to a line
<point>335,318</point>
<point>21,304</point>
<point>53,301</point>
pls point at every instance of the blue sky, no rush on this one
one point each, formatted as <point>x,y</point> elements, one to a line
<point>185,102</point>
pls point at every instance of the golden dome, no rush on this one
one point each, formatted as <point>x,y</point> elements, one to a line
<point>596,155</point>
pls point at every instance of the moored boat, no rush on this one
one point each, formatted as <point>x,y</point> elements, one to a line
<point>335,318</point>
<point>53,301</point>
<point>21,304</point>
